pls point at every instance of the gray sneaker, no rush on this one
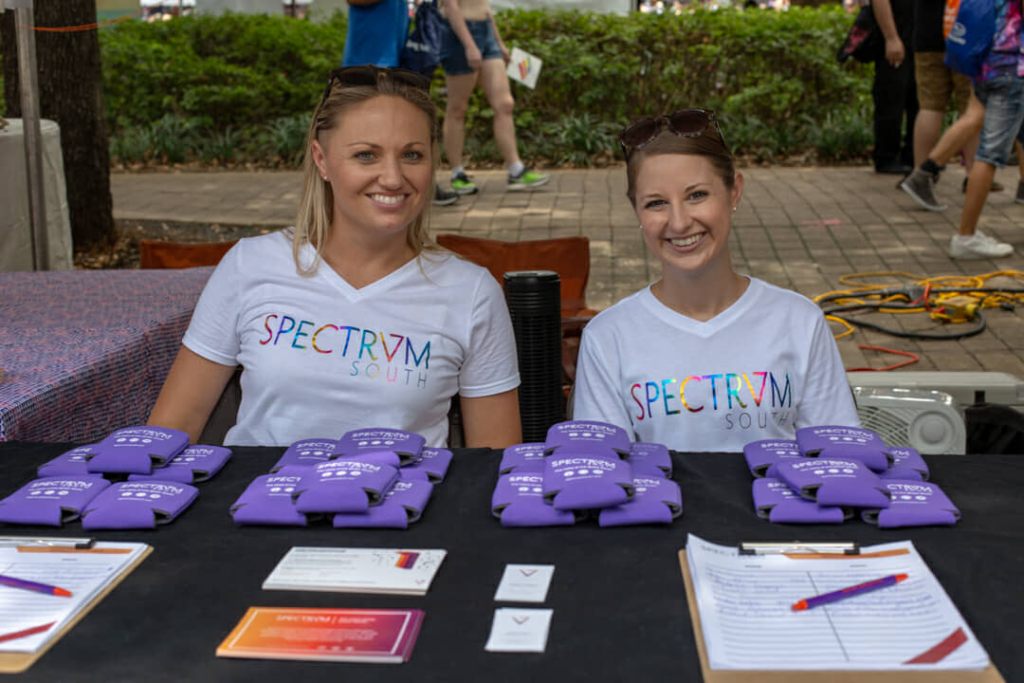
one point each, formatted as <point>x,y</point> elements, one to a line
<point>978,246</point>
<point>1019,199</point>
<point>920,185</point>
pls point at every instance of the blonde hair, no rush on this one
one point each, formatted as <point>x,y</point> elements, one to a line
<point>316,203</point>
<point>667,142</point>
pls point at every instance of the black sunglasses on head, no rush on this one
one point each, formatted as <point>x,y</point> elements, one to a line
<point>367,74</point>
<point>687,123</point>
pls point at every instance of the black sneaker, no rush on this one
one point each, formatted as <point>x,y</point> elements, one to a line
<point>444,197</point>
<point>920,185</point>
<point>1019,199</point>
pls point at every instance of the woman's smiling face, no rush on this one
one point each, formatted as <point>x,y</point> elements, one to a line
<point>378,161</point>
<point>685,210</point>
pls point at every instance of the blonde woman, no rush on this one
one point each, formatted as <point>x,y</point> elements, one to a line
<point>353,318</point>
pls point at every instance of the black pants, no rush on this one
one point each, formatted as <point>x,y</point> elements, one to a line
<point>895,94</point>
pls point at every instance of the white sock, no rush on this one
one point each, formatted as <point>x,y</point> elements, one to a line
<point>457,170</point>
<point>516,169</point>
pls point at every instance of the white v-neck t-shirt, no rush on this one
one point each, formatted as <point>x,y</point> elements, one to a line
<point>760,369</point>
<point>321,357</point>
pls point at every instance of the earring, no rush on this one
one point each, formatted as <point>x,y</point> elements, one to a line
<point>734,209</point>
<point>325,180</point>
<point>641,226</point>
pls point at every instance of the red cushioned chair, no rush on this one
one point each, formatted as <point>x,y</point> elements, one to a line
<point>567,256</point>
<point>158,254</point>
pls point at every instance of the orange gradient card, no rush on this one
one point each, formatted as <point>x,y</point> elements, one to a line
<point>384,636</point>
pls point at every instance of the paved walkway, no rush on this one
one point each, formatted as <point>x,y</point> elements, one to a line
<point>801,228</point>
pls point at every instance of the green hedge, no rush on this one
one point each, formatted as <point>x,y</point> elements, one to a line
<point>240,88</point>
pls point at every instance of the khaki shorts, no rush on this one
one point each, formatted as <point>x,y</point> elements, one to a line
<point>936,83</point>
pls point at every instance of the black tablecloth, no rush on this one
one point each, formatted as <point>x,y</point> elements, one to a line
<point>619,605</point>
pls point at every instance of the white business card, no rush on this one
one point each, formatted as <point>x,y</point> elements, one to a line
<point>519,630</point>
<point>525,583</point>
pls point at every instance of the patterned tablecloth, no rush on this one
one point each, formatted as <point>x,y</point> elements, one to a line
<point>85,352</point>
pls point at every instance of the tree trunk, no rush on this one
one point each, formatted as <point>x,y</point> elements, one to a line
<point>70,93</point>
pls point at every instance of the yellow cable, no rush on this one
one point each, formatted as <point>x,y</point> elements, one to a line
<point>859,292</point>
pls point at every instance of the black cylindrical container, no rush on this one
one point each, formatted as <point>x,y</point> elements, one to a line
<point>535,304</point>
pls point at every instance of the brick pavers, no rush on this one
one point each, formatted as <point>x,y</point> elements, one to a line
<point>800,228</point>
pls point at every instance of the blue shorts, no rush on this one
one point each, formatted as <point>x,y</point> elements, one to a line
<point>1003,97</point>
<point>453,55</point>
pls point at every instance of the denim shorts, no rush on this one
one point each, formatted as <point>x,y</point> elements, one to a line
<point>1003,97</point>
<point>453,55</point>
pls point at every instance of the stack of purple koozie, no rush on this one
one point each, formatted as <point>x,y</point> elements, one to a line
<point>830,472</point>
<point>370,478</point>
<point>160,468</point>
<point>584,469</point>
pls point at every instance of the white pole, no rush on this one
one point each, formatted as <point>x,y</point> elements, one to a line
<point>28,74</point>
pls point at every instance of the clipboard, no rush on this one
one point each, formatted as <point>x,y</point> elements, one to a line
<point>17,662</point>
<point>987,675</point>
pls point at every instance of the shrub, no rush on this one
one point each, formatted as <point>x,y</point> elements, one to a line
<point>252,81</point>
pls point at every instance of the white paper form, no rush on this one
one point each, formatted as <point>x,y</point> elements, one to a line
<point>745,604</point>
<point>82,572</point>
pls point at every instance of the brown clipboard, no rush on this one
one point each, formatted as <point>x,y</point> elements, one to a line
<point>987,675</point>
<point>16,662</point>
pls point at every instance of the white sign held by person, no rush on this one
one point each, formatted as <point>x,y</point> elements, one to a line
<point>524,67</point>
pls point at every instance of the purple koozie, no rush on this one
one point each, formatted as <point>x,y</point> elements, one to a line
<point>833,482</point>
<point>846,443</point>
<point>657,501</point>
<point>648,456</point>
<point>307,452</point>
<point>268,500</point>
<point>138,505</point>
<point>523,457</point>
<point>136,450</point>
<point>402,506</point>
<point>907,464</point>
<point>914,503</point>
<point>432,466</point>
<point>581,482</point>
<point>68,464</point>
<point>345,485</point>
<point>779,504</point>
<point>407,445</point>
<point>52,500</point>
<point>763,455</point>
<point>193,465</point>
<point>596,438</point>
<point>518,500</point>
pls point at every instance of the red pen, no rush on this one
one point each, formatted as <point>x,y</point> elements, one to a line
<point>844,593</point>
<point>26,632</point>
<point>33,586</point>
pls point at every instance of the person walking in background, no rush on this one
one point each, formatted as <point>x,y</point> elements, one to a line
<point>472,52</point>
<point>377,30</point>
<point>1000,87</point>
<point>894,91</point>
<point>935,84</point>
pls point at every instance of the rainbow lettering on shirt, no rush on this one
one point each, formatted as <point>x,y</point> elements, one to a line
<point>742,398</point>
<point>371,354</point>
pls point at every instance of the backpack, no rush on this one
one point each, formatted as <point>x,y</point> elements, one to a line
<point>970,38</point>
<point>864,42</point>
<point>422,51</point>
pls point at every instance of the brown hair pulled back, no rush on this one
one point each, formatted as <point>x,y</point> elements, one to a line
<point>667,142</point>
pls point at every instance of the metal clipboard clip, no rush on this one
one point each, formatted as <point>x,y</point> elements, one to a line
<point>799,548</point>
<point>46,542</point>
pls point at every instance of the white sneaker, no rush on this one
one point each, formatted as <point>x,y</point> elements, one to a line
<point>978,246</point>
